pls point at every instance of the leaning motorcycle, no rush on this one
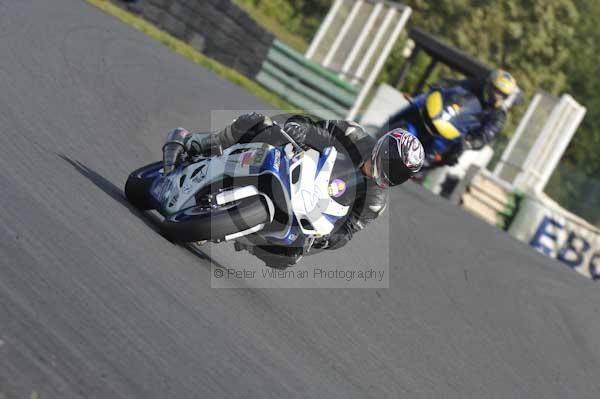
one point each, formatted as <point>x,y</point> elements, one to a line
<point>269,195</point>
<point>440,119</point>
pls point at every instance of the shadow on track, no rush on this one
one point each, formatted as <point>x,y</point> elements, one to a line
<point>118,195</point>
<point>113,191</point>
<point>194,249</point>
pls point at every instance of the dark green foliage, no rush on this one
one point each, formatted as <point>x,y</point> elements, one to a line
<point>300,17</point>
<point>575,191</point>
<point>531,38</point>
<point>583,73</point>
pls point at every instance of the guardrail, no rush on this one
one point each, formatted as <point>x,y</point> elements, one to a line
<point>305,84</point>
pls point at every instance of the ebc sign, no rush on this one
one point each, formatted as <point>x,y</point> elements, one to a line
<point>558,234</point>
<point>576,251</point>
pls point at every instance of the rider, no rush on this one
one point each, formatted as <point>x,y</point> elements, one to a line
<point>496,93</point>
<point>389,161</point>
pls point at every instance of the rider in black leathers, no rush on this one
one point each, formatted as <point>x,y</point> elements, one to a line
<point>346,136</point>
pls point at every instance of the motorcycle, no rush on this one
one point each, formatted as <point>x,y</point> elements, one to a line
<point>440,119</point>
<point>270,195</point>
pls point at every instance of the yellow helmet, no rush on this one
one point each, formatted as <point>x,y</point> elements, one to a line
<point>500,85</point>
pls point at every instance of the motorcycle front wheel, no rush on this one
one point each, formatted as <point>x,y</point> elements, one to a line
<point>139,182</point>
<point>213,224</point>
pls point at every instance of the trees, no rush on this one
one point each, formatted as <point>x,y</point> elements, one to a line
<point>584,81</point>
<point>531,38</point>
<point>299,17</point>
<point>576,182</point>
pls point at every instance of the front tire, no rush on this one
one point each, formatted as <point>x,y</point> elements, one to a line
<point>197,224</point>
<point>139,182</point>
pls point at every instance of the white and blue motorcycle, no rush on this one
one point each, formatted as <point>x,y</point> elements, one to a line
<point>274,195</point>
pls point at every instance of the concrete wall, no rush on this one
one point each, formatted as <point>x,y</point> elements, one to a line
<point>217,28</point>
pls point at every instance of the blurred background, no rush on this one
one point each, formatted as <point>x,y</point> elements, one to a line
<point>552,45</point>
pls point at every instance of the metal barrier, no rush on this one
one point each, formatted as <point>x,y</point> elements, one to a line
<point>305,84</point>
<point>355,39</point>
<point>487,197</point>
<point>539,141</point>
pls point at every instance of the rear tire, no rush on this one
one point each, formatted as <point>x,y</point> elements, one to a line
<point>137,187</point>
<point>197,224</point>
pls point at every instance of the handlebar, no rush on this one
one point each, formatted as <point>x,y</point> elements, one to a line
<point>289,138</point>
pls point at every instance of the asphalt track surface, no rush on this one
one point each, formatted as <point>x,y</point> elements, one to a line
<point>95,304</point>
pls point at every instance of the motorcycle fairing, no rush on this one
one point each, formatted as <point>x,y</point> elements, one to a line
<point>311,202</point>
<point>306,197</point>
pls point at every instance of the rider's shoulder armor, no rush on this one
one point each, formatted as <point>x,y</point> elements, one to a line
<point>350,136</point>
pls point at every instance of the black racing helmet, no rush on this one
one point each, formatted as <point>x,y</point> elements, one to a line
<point>396,157</point>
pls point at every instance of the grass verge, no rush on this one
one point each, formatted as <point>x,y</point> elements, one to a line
<point>272,25</point>
<point>184,49</point>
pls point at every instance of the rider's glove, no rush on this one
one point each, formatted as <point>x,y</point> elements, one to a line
<point>475,140</point>
<point>246,122</point>
<point>174,149</point>
<point>296,131</point>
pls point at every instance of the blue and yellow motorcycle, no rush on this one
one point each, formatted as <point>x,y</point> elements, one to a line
<point>441,120</point>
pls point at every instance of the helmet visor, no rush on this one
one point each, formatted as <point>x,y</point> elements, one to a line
<point>396,157</point>
<point>380,167</point>
<point>388,167</point>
